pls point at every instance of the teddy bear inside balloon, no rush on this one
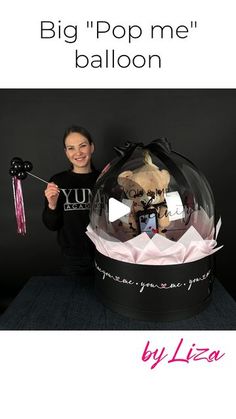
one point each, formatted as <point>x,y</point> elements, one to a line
<point>146,187</point>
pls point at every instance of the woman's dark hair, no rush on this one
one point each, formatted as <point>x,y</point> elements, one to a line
<point>79,130</point>
<point>82,131</point>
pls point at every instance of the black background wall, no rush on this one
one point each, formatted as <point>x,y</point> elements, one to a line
<point>200,124</point>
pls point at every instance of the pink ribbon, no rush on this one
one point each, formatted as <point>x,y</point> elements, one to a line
<point>19,205</point>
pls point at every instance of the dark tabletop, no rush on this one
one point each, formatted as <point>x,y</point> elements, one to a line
<point>62,303</point>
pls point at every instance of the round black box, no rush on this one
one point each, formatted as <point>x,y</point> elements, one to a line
<point>154,292</point>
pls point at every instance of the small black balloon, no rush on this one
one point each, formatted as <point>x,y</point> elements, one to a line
<point>16,160</point>
<point>18,166</point>
<point>12,171</point>
<point>21,175</point>
<point>28,166</point>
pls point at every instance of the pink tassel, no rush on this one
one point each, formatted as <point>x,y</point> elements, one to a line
<point>19,205</point>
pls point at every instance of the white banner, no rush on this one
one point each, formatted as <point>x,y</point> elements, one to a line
<point>123,44</point>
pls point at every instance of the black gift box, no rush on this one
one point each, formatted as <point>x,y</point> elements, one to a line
<point>154,292</point>
<point>153,179</point>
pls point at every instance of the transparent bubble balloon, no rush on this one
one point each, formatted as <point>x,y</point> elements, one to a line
<point>161,191</point>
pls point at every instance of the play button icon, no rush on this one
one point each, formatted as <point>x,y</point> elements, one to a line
<point>117,209</point>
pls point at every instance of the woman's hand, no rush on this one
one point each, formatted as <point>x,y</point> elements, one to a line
<point>52,193</point>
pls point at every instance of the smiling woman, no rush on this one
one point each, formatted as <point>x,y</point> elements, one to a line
<point>79,148</point>
<point>67,202</point>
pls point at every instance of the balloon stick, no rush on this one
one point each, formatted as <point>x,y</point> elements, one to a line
<point>37,177</point>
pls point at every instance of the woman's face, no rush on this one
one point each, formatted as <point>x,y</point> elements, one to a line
<point>79,152</point>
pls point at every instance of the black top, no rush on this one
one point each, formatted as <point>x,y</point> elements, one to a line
<point>71,216</point>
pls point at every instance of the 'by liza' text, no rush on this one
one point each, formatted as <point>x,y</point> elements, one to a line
<point>181,353</point>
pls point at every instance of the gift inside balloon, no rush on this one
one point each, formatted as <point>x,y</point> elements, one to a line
<point>164,192</point>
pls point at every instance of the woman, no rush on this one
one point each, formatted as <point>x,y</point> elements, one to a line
<point>68,203</point>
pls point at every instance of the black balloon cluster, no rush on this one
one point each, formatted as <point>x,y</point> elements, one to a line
<point>19,168</point>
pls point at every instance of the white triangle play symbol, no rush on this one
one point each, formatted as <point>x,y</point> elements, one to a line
<point>117,209</point>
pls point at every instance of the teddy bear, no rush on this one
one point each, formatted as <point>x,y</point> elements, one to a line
<point>145,189</point>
